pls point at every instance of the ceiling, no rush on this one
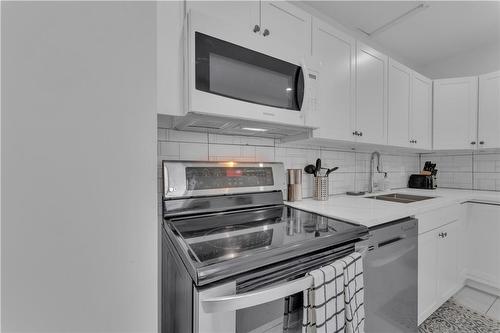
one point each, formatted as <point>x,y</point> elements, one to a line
<point>438,30</point>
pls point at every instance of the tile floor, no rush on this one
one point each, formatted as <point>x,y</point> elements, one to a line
<point>479,301</point>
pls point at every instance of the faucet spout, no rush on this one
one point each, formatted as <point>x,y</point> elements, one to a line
<point>372,167</point>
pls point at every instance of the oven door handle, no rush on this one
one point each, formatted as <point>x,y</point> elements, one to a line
<point>252,298</point>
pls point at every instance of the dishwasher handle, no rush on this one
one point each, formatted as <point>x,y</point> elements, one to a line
<point>394,257</point>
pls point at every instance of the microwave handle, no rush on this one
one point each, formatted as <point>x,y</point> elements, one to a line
<point>262,296</point>
<point>166,181</point>
<point>305,99</point>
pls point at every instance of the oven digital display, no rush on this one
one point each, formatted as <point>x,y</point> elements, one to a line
<point>204,178</point>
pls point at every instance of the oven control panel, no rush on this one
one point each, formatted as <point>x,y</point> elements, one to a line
<point>197,178</point>
<point>204,178</point>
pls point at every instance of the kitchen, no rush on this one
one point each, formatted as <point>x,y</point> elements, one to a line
<point>244,107</point>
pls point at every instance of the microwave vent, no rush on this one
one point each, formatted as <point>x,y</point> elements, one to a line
<point>207,124</point>
<point>213,124</point>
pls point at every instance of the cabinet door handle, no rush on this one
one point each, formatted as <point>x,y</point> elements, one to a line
<point>266,33</point>
<point>481,142</point>
<point>256,28</point>
<point>473,143</point>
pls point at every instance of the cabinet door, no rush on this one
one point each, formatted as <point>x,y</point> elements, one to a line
<point>421,112</point>
<point>448,269</point>
<point>399,104</point>
<point>427,274</point>
<point>483,233</point>
<point>242,15</point>
<point>286,30</point>
<point>455,113</point>
<point>371,97</point>
<point>170,55</point>
<point>333,53</point>
<point>489,111</point>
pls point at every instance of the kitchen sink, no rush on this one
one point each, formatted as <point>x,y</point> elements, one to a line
<point>400,197</point>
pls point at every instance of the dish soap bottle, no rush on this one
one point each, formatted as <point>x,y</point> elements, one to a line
<point>384,186</point>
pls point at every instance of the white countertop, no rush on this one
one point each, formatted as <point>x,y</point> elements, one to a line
<point>370,212</point>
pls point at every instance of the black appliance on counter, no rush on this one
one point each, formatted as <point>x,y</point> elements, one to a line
<point>427,179</point>
<point>422,182</point>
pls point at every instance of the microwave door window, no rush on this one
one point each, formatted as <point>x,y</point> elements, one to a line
<point>236,72</point>
<point>236,79</point>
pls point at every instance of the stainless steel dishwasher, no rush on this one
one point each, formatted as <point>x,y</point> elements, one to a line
<point>390,277</point>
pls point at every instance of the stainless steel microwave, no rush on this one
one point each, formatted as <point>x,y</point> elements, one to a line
<point>231,74</point>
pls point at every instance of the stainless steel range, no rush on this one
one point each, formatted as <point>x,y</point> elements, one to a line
<point>234,256</point>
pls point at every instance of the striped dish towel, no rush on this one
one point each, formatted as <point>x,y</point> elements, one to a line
<point>354,293</point>
<point>335,302</point>
<point>324,302</point>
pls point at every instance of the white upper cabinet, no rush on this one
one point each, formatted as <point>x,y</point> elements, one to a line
<point>455,113</point>
<point>333,54</point>
<point>421,113</point>
<point>371,95</point>
<point>169,59</point>
<point>286,30</point>
<point>283,30</point>
<point>489,111</point>
<point>241,15</point>
<point>399,104</point>
<point>409,108</point>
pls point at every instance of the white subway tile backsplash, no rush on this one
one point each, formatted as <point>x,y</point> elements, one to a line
<point>183,136</point>
<point>463,170</point>
<point>479,171</point>
<point>169,148</point>
<point>264,154</point>
<point>193,151</point>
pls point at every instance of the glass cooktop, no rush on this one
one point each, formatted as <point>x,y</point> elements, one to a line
<point>219,237</point>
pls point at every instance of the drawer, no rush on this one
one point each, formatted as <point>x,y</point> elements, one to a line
<point>438,217</point>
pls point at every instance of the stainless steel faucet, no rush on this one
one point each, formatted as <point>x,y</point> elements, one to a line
<point>379,169</point>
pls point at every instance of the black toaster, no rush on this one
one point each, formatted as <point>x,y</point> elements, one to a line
<point>422,181</point>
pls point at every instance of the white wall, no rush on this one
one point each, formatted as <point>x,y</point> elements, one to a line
<point>79,225</point>
<point>471,63</point>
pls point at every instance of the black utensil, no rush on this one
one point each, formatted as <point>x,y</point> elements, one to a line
<point>310,169</point>
<point>330,171</point>
<point>318,167</point>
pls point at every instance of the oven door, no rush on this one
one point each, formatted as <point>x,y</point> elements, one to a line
<point>268,300</point>
<point>236,77</point>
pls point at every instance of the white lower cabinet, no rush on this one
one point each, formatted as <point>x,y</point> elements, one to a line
<point>438,260</point>
<point>427,275</point>
<point>483,239</point>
